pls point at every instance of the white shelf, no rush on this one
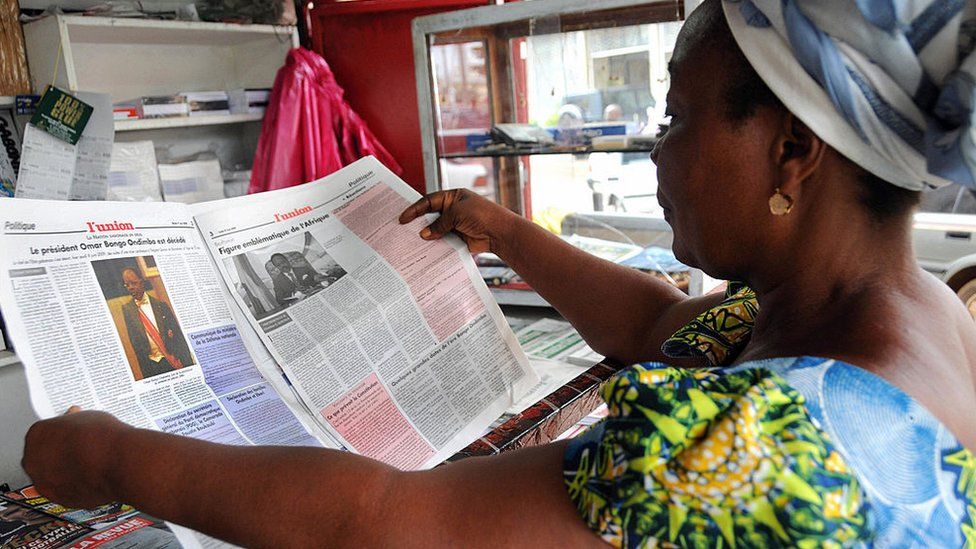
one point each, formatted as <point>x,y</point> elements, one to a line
<point>184,122</point>
<point>8,358</point>
<point>6,100</point>
<point>110,30</point>
<point>131,58</point>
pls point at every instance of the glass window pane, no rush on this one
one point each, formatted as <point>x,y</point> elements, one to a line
<point>463,103</point>
<point>591,86</point>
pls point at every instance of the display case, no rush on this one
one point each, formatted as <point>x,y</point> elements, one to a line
<point>551,108</point>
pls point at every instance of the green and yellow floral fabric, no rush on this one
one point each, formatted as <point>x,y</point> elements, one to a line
<point>695,458</point>
<point>720,333</point>
<point>800,452</point>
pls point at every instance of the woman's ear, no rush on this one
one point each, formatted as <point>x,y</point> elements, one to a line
<point>797,153</point>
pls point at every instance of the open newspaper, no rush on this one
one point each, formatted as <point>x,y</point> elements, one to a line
<point>307,316</point>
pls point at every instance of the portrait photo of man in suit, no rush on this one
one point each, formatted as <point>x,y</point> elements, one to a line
<point>153,330</point>
<point>149,329</point>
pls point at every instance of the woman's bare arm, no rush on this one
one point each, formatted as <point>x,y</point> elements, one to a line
<point>305,497</point>
<point>620,312</point>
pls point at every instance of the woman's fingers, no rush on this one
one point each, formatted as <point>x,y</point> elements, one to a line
<point>441,226</point>
<point>415,210</point>
<point>432,202</point>
<point>456,214</point>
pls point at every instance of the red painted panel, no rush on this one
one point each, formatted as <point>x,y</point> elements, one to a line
<point>369,46</point>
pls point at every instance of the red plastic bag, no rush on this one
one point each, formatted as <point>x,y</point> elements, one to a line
<point>309,130</point>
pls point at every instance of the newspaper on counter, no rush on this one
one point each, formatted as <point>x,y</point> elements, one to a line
<point>307,316</point>
<point>189,182</point>
<point>133,174</point>
<point>553,339</point>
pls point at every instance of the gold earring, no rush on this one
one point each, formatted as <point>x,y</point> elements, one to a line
<point>779,203</point>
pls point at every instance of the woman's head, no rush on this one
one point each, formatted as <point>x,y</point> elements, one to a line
<point>732,145</point>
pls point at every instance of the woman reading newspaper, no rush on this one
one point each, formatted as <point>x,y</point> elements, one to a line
<point>834,401</point>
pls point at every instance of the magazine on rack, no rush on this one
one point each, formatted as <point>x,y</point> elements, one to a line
<point>110,526</point>
<point>305,316</point>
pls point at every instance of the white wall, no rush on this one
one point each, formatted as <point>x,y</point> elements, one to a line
<point>16,415</point>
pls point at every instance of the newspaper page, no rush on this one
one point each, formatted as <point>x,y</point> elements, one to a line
<point>47,166</point>
<point>116,307</point>
<point>266,363</point>
<point>393,341</point>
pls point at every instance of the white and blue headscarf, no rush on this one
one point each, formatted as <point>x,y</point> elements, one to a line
<point>891,84</point>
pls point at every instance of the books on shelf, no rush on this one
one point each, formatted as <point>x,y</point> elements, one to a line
<point>133,174</point>
<point>195,104</point>
<point>249,101</point>
<point>125,111</point>
<point>162,106</point>
<point>207,103</point>
<point>496,276</point>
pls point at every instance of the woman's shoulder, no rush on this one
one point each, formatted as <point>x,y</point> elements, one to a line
<point>919,479</point>
<point>773,451</point>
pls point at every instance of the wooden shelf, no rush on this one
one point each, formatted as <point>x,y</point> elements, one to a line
<point>185,122</point>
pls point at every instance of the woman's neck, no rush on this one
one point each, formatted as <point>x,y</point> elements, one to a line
<point>869,304</point>
<point>830,294</point>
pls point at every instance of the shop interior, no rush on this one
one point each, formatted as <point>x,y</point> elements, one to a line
<point>549,108</point>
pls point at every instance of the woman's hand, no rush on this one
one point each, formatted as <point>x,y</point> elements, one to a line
<point>70,457</point>
<point>478,221</point>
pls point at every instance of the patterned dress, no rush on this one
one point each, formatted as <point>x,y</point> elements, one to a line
<point>805,452</point>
